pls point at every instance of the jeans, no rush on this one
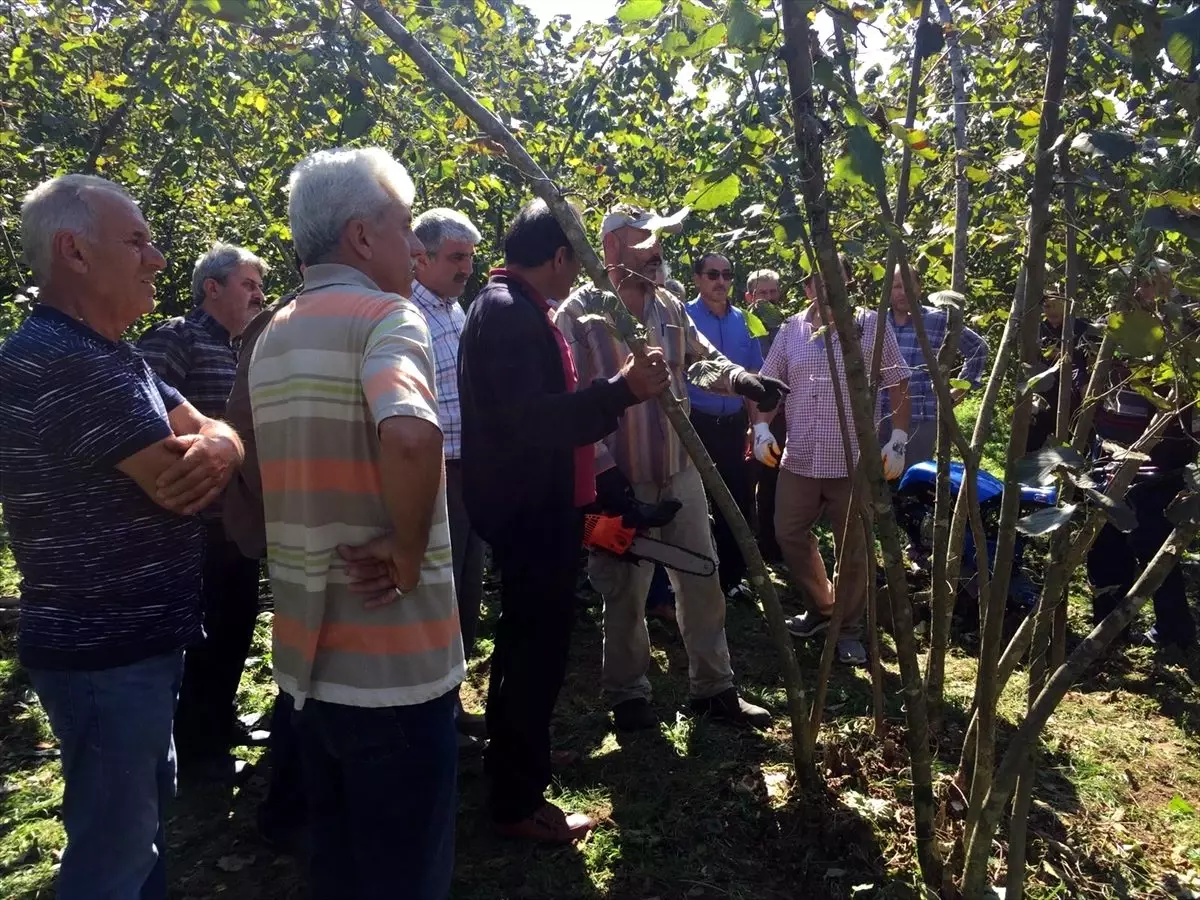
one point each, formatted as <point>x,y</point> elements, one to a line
<point>382,786</point>
<point>539,564</point>
<point>725,439</point>
<point>114,732</point>
<point>212,669</point>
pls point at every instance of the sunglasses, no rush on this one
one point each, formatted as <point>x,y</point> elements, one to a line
<point>713,274</point>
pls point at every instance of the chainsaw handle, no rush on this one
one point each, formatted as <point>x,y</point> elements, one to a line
<point>607,533</point>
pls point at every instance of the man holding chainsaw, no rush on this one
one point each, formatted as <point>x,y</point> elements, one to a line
<point>813,477</point>
<point>528,472</point>
<point>643,463</point>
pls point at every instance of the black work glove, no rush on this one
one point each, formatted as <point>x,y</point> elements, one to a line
<point>762,389</point>
<point>614,495</point>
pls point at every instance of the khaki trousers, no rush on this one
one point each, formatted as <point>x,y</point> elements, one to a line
<point>699,602</point>
<point>799,503</point>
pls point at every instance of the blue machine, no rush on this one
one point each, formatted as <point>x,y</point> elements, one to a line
<point>916,492</point>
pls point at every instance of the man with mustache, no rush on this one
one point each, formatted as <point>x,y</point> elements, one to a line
<point>195,355</point>
<point>644,460</point>
<point>442,271</point>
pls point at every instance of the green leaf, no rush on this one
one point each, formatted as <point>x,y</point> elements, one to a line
<point>708,193</point>
<point>1180,807</point>
<point>632,11</point>
<point>1038,468</point>
<point>1030,119</point>
<point>674,42</point>
<point>1120,515</point>
<point>947,298</point>
<point>976,174</point>
<point>1182,37</point>
<point>866,156</point>
<point>357,123</point>
<point>1138,332</point>
<point>705,374</point>
<point>1110,144</point>
<point>1046,521</point>
<point>1165,218</point>
<point>959,384</point>
<point>745,25</point>
<point>236,11</point>
<point>710,39</point>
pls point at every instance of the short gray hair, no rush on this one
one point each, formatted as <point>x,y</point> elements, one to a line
<point>436,226</point>
<point>218,262</point>
<point>59,204</point>
<point>760,275</point>
<point>329,188</point>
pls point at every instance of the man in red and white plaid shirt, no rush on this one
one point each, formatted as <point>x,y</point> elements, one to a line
<point>813,477</point>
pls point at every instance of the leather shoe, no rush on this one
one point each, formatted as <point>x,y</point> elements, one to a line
<point>548,825</point>
<point>729,707</point>
<point>634,715</point>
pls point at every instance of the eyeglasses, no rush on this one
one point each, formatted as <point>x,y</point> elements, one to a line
<point>713,274</point>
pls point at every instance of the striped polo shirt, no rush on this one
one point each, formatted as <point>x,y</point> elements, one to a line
<point>326,372</point>
<point>109,578</point>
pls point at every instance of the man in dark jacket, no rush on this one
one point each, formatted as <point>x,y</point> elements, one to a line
<point>527,458</point>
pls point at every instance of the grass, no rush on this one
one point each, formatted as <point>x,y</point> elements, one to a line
<point>695,810</point>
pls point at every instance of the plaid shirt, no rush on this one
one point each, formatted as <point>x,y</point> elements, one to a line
<point>445,319</point>
<point>194,355</point>
<point>920,386</point>
<point>814,434</point>
<point>644,447</point>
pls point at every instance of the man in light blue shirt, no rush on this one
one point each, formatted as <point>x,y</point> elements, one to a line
<point>722,421</point>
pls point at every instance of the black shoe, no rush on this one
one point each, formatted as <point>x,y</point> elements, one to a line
<point>634,715</point>
<point>729,707</point>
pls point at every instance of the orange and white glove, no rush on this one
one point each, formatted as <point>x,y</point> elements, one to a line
<point>893,454</point>
<point>766,450</point>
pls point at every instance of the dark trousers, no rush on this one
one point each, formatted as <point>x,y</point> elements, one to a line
<point>725,439</point>
<point>1116,560</point>
<point>539,565</point>
<point>382,789</point>
<point>212,669</point>
<point>284,808</point>
<point>467,550</point>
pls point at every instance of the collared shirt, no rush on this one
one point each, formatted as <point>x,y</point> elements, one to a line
<point>327,370</point>
<point>920,386</point>
<point>108,576</point>
<point>585,457</point>
<point>445,319</point>
<point>814,435</point>
<point>645,446</point>
<point>194,355</point>
<point>730,334</point>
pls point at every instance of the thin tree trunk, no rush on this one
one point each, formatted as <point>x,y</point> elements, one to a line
<point>1066,381</point>
<point>545,188</point>
<point>808,136</point>
<point>975,874</point>
<point>1024,316</point>
<point>943,592</point>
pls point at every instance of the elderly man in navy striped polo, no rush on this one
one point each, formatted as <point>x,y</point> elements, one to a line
<point>195,355</point>
<point>102,468</point>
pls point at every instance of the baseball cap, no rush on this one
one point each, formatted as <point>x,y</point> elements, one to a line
<point>639,217</point>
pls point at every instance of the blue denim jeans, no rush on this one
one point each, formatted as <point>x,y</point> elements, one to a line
<point>382,786</point>
<point>114,733</point>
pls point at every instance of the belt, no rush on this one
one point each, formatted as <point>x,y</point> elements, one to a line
<point>727,419</point>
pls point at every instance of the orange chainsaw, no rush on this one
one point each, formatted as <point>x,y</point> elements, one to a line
<point>611,534</point>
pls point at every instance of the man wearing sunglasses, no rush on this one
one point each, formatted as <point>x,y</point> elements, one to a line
<point>722,420</point>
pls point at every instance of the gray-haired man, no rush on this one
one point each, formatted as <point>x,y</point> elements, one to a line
<point>195,355</point>
<point>442,270</point>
